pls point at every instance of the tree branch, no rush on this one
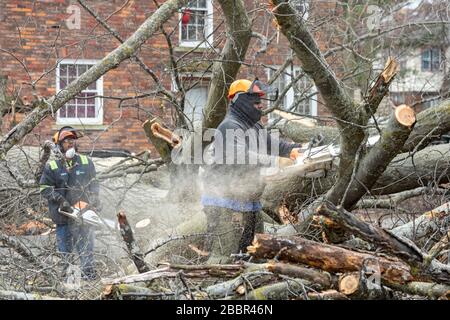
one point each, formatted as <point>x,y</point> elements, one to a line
<point>44,107</point>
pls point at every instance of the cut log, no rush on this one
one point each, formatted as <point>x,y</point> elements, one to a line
<point>426,224</point>
<point>295,271</point>
<point>363,285</point>
<point>327,295</point>
<point>162,146</point>
<point>423,266</point>
<point>118,291</point>
<point>135,252</point>
<point>326,257</point>
<point>349,283</point>
<point>287,289</point>
<point>405,115</point>
<point>239,285</point>
<point>16,295</point>
<point>427,289</point>
<point>189,271</point>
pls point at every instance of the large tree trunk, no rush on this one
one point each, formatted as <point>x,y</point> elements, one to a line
<point>403,173</point>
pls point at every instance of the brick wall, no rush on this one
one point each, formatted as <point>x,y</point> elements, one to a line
<point>44,38</point>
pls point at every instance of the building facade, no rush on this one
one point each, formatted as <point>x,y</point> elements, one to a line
<point>46,44</point>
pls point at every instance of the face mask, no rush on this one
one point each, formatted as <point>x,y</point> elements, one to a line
<point>70,153</point>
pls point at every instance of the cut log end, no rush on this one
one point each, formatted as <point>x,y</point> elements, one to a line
<point>165,134</point>
<point>405,115</point>
<point>349,283</point>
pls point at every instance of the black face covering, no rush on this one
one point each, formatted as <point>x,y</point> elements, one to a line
<point>244,106</point>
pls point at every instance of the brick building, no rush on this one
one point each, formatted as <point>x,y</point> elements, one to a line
<point>48,43</point>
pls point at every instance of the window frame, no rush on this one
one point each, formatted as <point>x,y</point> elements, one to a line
<point>290,94</point>
<point>204,82</point>
<point>431,59</point>
<point>208,27</point>
<point>98,120</point>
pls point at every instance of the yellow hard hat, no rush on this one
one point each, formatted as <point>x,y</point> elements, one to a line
<point>244,85</point>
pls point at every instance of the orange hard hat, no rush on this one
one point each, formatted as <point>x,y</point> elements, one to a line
<point>244,85</point>
<point>64,133</point>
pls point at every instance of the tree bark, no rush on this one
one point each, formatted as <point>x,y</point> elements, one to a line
<point>278,291</point>
<point>429,165</point>
<point>422,267</point>
<point>44,108</point>
<point>3,103</point>
<point>327,295</point>
<point>135,252</point>
<point>431,124</point>
<point>426,224</point>
<point>162,146</point>
<point>380,155</point>
<point>325,257</point>
<point>428,289</point>
<point>238,286</point>
<point>323,279</point>
<point>225,70</point>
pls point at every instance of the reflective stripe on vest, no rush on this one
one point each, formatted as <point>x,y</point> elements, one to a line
<point>236,205</point>
<point>53,165</point>
<point>43,187</point>
<point>84,159</point>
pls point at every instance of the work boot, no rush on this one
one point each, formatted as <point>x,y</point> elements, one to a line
<point>225,229</point>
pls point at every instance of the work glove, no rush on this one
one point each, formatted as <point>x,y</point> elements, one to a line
<point>295,153</point>
<point>65,206</point>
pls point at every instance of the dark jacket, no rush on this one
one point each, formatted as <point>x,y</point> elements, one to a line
<point>236,176</point>
<point>77,183</point>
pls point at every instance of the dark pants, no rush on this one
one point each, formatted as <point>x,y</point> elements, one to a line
<point>232,226</point>
<point>80,237</point>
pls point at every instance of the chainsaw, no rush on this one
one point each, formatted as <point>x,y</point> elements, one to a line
<point>83,214</point>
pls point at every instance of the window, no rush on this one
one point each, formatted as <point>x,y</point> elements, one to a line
<point>86,107</point>
<point>194,103</point>
<point>431,59</point>
<point>196,23</point>
<point>196,86</point>
<point>302,94</point>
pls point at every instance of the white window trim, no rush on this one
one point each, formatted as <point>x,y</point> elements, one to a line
<point>204,77</point>
<point>208,28</point>
<point>290,96</point>
<point>98,100</point>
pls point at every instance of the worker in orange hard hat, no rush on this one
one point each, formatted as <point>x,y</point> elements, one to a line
<point>231,187</point>
<point>65,183</point>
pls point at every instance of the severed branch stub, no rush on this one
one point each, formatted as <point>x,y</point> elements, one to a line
<point>405,115</point>
<point>127,234</point>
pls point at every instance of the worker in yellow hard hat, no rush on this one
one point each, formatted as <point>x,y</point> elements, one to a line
<point>232,185</point>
